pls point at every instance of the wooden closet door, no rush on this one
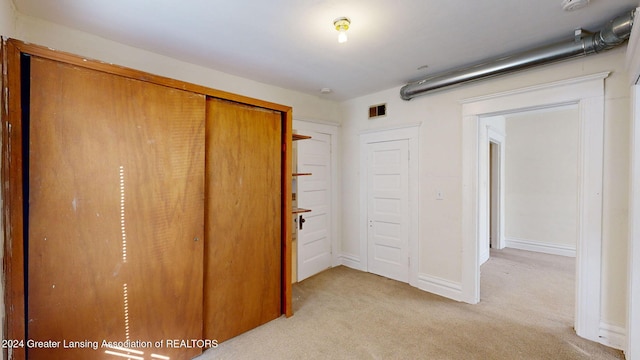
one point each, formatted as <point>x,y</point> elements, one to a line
<point>115,216</point>
<point>243,218</point>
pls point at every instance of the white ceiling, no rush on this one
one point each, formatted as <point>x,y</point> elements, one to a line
<point>292,43</point>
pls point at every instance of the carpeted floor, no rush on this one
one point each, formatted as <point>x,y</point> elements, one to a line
<point>526,312</point>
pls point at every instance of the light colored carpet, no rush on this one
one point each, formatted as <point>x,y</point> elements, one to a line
<point>526,312</point>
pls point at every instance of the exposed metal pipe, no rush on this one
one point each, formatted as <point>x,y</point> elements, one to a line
<point>610,36</point>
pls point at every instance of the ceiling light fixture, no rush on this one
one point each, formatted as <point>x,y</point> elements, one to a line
<point>342,25</point>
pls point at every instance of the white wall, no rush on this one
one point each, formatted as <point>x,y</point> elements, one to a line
<point>541,190</point>
<point>441,167</point>
<point>7,18</point>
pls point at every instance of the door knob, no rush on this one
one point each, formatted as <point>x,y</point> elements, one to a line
<point>302,220</point>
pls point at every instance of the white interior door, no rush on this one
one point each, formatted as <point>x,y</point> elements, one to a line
<point>314,193</point>
<point>388,209</point>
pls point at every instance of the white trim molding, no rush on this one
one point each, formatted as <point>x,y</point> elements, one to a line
<point>541,247</point>
<point>633,298</point>
<point>500,139</point>
<point>491,130</point>
<point>390,128</point>
<point>439,286</point>
<point>588,93</point>
<point>322,123</point>
<point>351,261</point>
<point>477,104</point>
<point>613,336</point>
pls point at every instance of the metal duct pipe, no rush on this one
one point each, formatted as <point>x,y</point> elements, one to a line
<point>612,35</point>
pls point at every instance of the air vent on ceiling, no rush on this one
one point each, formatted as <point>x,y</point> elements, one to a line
<point>377,111</point>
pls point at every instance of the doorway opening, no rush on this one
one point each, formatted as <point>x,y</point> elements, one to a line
<point>539,210</point>
<point>491,156</point>
<point>495,196</point>
<point>531,181</point>
<point>321,194</point>
<point>587,92</point>
<point>313,237</point>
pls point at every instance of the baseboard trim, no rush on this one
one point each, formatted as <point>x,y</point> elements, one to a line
<point>530,245</point>
<point>612,336</point>
<point>350,261</point>
<point>439,286</point>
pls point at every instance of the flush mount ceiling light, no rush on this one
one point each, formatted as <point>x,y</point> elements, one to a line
<point>342,25</point>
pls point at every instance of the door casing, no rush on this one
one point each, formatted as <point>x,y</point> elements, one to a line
<point>588,93</point>
<point>490,134</point>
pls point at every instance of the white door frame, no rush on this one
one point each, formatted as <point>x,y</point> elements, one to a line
<point>633,298</point>
<point>332,130</point>
<point>588,93</point>
<point>499,139</point>
<point>489,134</point>
<point>633,303</point>
<point>412,134</point>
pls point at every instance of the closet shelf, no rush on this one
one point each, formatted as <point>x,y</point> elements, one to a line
<point>300,210</point>
<point>301,174</point>
<point>300,137</point>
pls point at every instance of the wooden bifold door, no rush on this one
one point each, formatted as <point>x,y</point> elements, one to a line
<point>146,217</point>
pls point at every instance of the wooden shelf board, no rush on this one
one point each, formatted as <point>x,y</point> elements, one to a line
<point>300,137</point>
<point>300,210</point>
<point>301,174</point>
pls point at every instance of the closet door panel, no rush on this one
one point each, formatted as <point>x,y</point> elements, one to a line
<point>243,218</point>
<point>115,216</point>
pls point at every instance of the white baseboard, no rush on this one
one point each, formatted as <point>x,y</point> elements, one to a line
<point>439,286</point>
<point>613,336</point>
<point>531,245</point>
<point>350,261</point>
<point>432,284</point>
